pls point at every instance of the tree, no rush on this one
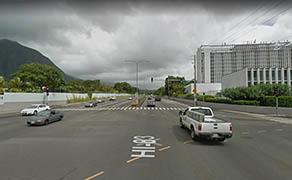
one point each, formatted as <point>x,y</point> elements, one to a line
<point>175,87</point>
<point>15,83</point>
<point>2,82</point>
<point>124,87</point>
<point>40,75</point>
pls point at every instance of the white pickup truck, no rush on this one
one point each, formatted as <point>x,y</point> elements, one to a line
<point>201,122</point>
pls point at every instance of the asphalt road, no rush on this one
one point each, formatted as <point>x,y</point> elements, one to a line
<point>97,143</point>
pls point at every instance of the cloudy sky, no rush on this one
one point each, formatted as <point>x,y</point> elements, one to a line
<point>92,40</point>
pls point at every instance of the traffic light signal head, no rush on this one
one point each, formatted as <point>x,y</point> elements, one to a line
<point>47,90</point>
<point>276,91</point>
<point>152,79</point>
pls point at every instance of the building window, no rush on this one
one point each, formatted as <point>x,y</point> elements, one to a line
<point>273,75</point>
<point>249,75</point>
<point>285,75</point>
<point>267,75</point>
<point>255,75</point>
<point>249,84</point>
<point>279,74</point>
<point>261,75</point>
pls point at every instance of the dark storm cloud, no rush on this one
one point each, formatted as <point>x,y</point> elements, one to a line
<point>92,39</point>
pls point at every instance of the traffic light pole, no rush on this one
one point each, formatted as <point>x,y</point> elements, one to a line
<point>277,104</point>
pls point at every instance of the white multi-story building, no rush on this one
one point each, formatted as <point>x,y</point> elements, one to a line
<point>252,76</point>
<point>215,61</point>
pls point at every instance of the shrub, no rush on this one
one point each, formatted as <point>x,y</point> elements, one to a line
<point>218,100</point>
<point>246,102</point>
<point>284,101</point>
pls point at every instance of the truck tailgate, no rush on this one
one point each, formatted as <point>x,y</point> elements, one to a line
<point>222,127</point>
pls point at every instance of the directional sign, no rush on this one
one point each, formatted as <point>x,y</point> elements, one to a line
<point>195,91</point>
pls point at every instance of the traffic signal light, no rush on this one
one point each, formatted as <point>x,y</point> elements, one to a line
<point>276,91</point>
<point>47,90</point>
<point>152,79</point>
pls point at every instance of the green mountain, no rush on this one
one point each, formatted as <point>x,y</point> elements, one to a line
<point>13,54</point>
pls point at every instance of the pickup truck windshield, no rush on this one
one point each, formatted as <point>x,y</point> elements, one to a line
<point>206,112</point>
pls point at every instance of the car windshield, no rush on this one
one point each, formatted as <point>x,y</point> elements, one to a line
<point>43,113</point>
<point>206,112</point>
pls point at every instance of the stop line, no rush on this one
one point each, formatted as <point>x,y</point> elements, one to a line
<point>126,109</point>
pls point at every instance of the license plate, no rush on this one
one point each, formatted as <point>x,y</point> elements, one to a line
<point>31,122</point>
<point>215,135</point>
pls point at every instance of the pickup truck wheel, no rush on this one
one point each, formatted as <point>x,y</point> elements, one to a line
<point>35,112</point>
<point>193,135</point>
<point>181,124</point>
<point>46,122</point>
<point>221,140</point>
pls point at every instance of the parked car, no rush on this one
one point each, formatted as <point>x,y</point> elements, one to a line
<point>90,104</point>
<point>100,100</point>
<point>34,109</point>
<point>150,102</point>
<point>202,124</point>
<point>45,117</point>
<point>113,98</point>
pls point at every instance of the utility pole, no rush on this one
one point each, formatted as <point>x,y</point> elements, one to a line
<point>137,66</point>
<point>195,83</point>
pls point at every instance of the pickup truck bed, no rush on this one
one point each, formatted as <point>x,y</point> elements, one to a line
<point>201,122</point>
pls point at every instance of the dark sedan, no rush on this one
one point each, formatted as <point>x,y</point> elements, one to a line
<point>45,117</point>
<point>90,104</point>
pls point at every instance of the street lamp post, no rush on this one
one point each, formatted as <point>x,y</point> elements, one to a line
<point>137,67</point>
<point>195,83</point>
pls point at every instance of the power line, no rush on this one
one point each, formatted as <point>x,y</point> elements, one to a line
<point>241,21</point>
<point>278,14</point>
<point>266,12</point>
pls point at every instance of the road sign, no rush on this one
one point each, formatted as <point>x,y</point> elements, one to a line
<point>195,91</point>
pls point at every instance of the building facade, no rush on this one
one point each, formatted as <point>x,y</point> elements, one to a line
<point>215,61</point>
<point>252,76</point>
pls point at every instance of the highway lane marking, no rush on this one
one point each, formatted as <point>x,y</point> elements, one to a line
<point>261,131</point>
<point>187,142</point>
<point>244,132</point>
<point>134,108</point>
<point>163,108</point>
<point>95,175</point>
<point>171,108</point>
<point>156,108</point>
<point>148,108</point>
<point>160,109</point>
<point>167,108</point>
<point>133,159</point>
<point>165,148</point>
<point>278,129</point>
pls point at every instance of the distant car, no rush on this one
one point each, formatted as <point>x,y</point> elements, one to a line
<point>151,102</point>
<point>113,98</point>
<point>130,98</point>
<point>157,98</point>
<point>90,104</point>
<point>34,109</point>
<point>45,117</point>
<point>100,100</point>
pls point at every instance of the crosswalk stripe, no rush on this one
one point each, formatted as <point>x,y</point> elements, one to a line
<point>160,109</point>
<point>167,108</point>
<point>134,108</point>
<point>148,108</point>
<point>163,108</point>
<point>156,108</point>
